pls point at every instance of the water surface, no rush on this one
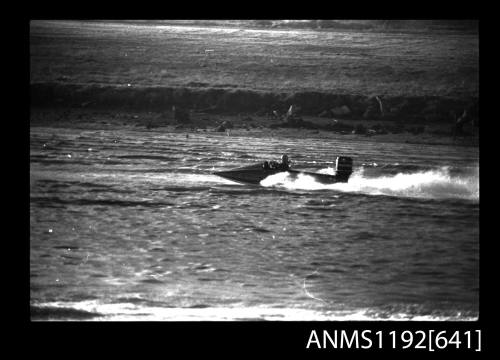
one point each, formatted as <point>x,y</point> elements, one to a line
<point>131,225</point>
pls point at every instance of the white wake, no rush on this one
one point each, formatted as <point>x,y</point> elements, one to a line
<point>431,184</point>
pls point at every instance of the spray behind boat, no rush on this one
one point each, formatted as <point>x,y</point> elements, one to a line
<point>343,168</point>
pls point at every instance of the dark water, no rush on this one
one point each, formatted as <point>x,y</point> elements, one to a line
<point>130,224</point>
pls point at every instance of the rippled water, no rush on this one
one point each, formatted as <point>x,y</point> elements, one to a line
<point>130,224</point>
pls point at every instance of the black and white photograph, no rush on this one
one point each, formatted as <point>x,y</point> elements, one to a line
<point>254,170</point>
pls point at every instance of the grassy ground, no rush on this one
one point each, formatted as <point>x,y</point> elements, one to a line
<point>422,74</point>
<point>347,61</point>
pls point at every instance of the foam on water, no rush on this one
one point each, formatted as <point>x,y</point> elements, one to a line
<point>98,311</point>
<point>432,184</point>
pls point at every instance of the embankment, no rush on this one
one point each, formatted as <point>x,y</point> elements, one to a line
<point>432,109</point>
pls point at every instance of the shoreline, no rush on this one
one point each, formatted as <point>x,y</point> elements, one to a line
<point>235,100</point>
<point>92,119</point>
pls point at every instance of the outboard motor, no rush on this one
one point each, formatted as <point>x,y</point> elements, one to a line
<point>343,168</point>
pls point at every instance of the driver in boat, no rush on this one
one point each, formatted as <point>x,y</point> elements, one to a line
<point>284,165</point>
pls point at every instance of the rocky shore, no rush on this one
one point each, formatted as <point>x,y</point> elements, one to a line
<point>235,101</point>
<point>296,127</point>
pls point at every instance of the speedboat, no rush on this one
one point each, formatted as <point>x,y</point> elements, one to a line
<point>254,174</point>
